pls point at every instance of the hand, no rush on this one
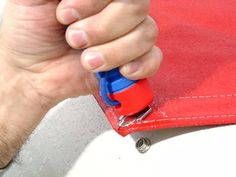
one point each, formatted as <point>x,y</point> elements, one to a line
<point>115,33</point>
<point>40,56</point>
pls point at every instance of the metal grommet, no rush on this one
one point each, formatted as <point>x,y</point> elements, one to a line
<point>143,145</point>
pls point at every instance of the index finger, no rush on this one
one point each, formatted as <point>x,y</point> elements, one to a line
<point>73,10</point>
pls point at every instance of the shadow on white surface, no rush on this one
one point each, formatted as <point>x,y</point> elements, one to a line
<point>156,136</point>
<point>60,139</point>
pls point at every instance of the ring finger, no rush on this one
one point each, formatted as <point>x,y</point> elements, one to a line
<point>123,50</point>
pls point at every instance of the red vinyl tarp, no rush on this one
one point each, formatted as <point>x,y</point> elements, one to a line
<point>196,84</point>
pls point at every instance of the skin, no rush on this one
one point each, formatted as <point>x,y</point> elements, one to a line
<point>41,61</point>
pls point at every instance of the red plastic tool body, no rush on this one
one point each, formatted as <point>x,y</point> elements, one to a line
<point>133,99</point>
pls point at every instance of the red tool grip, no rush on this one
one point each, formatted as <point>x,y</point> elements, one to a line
<point>134,99</point>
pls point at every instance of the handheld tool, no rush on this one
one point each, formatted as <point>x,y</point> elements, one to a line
<point>130,98</point>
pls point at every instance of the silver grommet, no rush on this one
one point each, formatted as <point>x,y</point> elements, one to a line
<point>143,145</point>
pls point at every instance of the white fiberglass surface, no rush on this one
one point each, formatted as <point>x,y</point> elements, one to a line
<point>178,152</point>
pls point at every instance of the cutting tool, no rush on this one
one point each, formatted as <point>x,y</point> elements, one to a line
<point>130,98</point>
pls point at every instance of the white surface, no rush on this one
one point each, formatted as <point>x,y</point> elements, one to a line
<point>60,139</point>
<point>203,153</point>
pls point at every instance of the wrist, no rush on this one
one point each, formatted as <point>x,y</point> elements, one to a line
<point>21,110</point>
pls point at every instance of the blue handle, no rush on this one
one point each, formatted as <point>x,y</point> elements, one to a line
<point>104,93</point>
<point>111,82</point>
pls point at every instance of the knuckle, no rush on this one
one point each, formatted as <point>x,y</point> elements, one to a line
<point>146,72</point>
<point>158,55</point>
<point>110,63</point>
<point>151,70</point>
<point>150,31</point>
<point>154,62</point>
<point>140,7</point>
<point>101,29</point>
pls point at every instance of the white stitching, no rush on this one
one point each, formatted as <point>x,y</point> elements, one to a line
<point>189,118</point>
<point>199,97</point>
<point>184,118</point>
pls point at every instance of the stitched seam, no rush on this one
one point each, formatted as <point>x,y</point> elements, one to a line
<point>200,97</point>
<point>155,126</point>
<point>187,118</point>
<point>190,118</point>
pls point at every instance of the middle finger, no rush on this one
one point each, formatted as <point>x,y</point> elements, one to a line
<point>117,19</point>
<point>123,50</point>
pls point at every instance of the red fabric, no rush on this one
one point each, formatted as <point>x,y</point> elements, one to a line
<point>196,84</point>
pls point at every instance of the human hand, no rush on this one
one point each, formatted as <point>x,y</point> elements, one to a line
<point>40,60</point>
<point>116,34</point>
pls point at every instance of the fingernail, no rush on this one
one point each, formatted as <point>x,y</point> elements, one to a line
<point>78,38</point>
<point>132,68</point>
<point>68,16</point>
<point>93,60</point>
